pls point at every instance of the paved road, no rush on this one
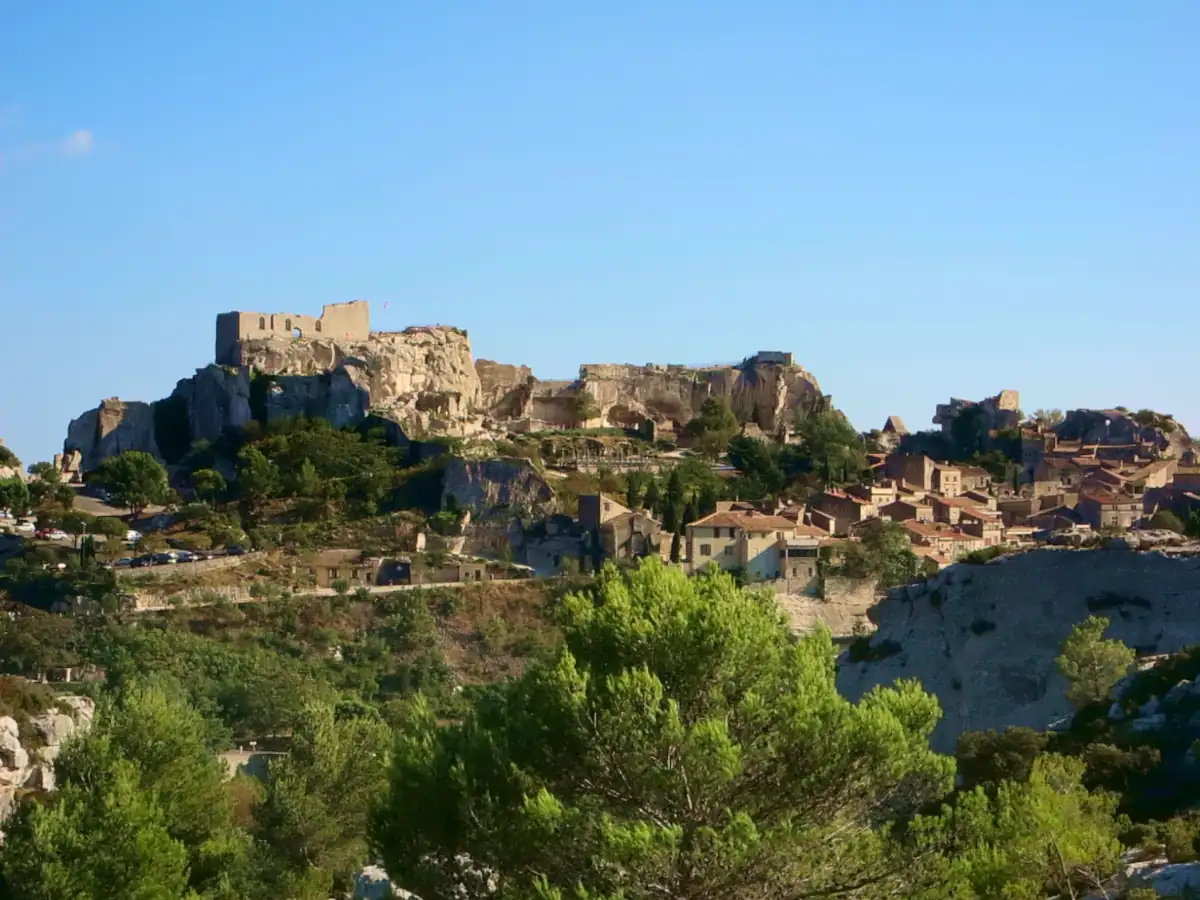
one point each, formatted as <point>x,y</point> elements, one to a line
<point>96,507</point>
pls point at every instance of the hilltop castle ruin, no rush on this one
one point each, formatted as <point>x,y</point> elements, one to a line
<point>338,321</point>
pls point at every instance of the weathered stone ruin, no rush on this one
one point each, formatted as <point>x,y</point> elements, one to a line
<point>424,380</point>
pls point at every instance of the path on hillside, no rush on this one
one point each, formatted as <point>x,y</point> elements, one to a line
<point>330,592</point>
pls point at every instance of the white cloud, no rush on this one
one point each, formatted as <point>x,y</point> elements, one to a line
<point>80,143</point>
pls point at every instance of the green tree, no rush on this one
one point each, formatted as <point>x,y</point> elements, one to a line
<point>305,482</point>
<point>712,428</point>
<point>635,486</point>
<point>584,408</point>
<point>653,499</point>
<point>258,477</point>
<point>134,478</point>
<point>676,547</point>
<point>989,757</point>
<point>708,495</point>
<point>830,441</point>
<point>209,484</point>
<point>312,821</point>
<point>673,501</point>
<point>1045,836</point>
<point>98,835</point>
<point>681,745</point>
<point>1167,520</point>
<point>1047,418</point>
<point>883,552</point>
<point>14,496</point>
<point>759,461</point>
<point>45,471</point>
<point>1092,663</point>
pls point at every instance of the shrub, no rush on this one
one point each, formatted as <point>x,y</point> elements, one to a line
<point>862,650</point>
<point>985,555</point>
<point>982,626</point>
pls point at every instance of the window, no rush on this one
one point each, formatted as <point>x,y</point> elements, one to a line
<point>287,324</point>
<point>728,551</point>
<point>262,323</point>
<point>318,325</point>
<point>706,550</point>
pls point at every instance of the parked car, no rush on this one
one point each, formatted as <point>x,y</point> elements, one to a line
<point>131,535</point>
<point>58,535</point>
<point>184,556</point>
<point>123,562</point>
<point>140,561</point>
<point>235,550</point>
<point>24,528</point>
<point>164,559</point>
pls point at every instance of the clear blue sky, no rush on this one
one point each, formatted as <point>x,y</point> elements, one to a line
<point>919,199</point>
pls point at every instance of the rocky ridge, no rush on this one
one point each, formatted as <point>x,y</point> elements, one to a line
<point>29,765</point>
<point>984,638</point>
<point>425,381</point>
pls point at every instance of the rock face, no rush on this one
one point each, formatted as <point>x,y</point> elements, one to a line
<point>12,469</point>
<point>764,389</point>
<point>31,765</point>
<point>216,398</point>
<point>984,638</point>
<point>488,487</point>
<point>1115,426</point>
<point>423,378</point>
<point>111,428</point>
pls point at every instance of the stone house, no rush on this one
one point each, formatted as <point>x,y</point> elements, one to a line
<point>630,535</point>
<point>878,493</point>
<point>949,509</point>
<point>915,470</point>
<point>1157,474</point>
<point>1056,518</point>
<point>596,509</point>
<point>1109,509</point>
<point>947,480</point>
<point>902,510</point>
<point>327,566</point>
<point>974,478</point>
<point>943,540</point>
<point>982,500</point>
<point>749,541</point>
<point>982,524</point>
<point>893,432</point>
<point>845,509</point>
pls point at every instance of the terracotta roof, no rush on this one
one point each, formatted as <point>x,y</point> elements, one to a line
<point>1102,496</point>
<point>747,521</point>
<point>931,531</point>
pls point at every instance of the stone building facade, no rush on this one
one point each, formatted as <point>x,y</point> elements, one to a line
<point>338,321</point>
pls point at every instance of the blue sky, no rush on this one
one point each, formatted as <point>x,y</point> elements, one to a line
<point>918,199</point>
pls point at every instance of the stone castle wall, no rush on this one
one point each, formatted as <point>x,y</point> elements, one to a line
<point>338,321</point>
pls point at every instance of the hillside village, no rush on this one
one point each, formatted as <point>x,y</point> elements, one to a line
<point>700,467</point>
<point>329,530</point>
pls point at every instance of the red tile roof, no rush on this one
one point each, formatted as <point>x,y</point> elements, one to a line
<point>747,521</point>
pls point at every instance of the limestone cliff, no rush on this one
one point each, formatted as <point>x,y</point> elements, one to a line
<point>1117,426</point>
<point>761,389</point>
<point>497,487</point>
<point>423,378</point>
<point>984,638</point>
<point>27,762</point>
<point>111,428</point>
<point>10,466</point>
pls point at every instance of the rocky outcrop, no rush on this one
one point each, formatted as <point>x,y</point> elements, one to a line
<point>1117,426</point>
<point>984,638</point>
<point>28,763</point>
<point>766,393</point>
<point>761,389</point>
<point>216,398</point>
<point>504,390</point>
<point>423,378</point>
<point>10,466</point>
<point>111,428</point>
<point>491,487</point>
